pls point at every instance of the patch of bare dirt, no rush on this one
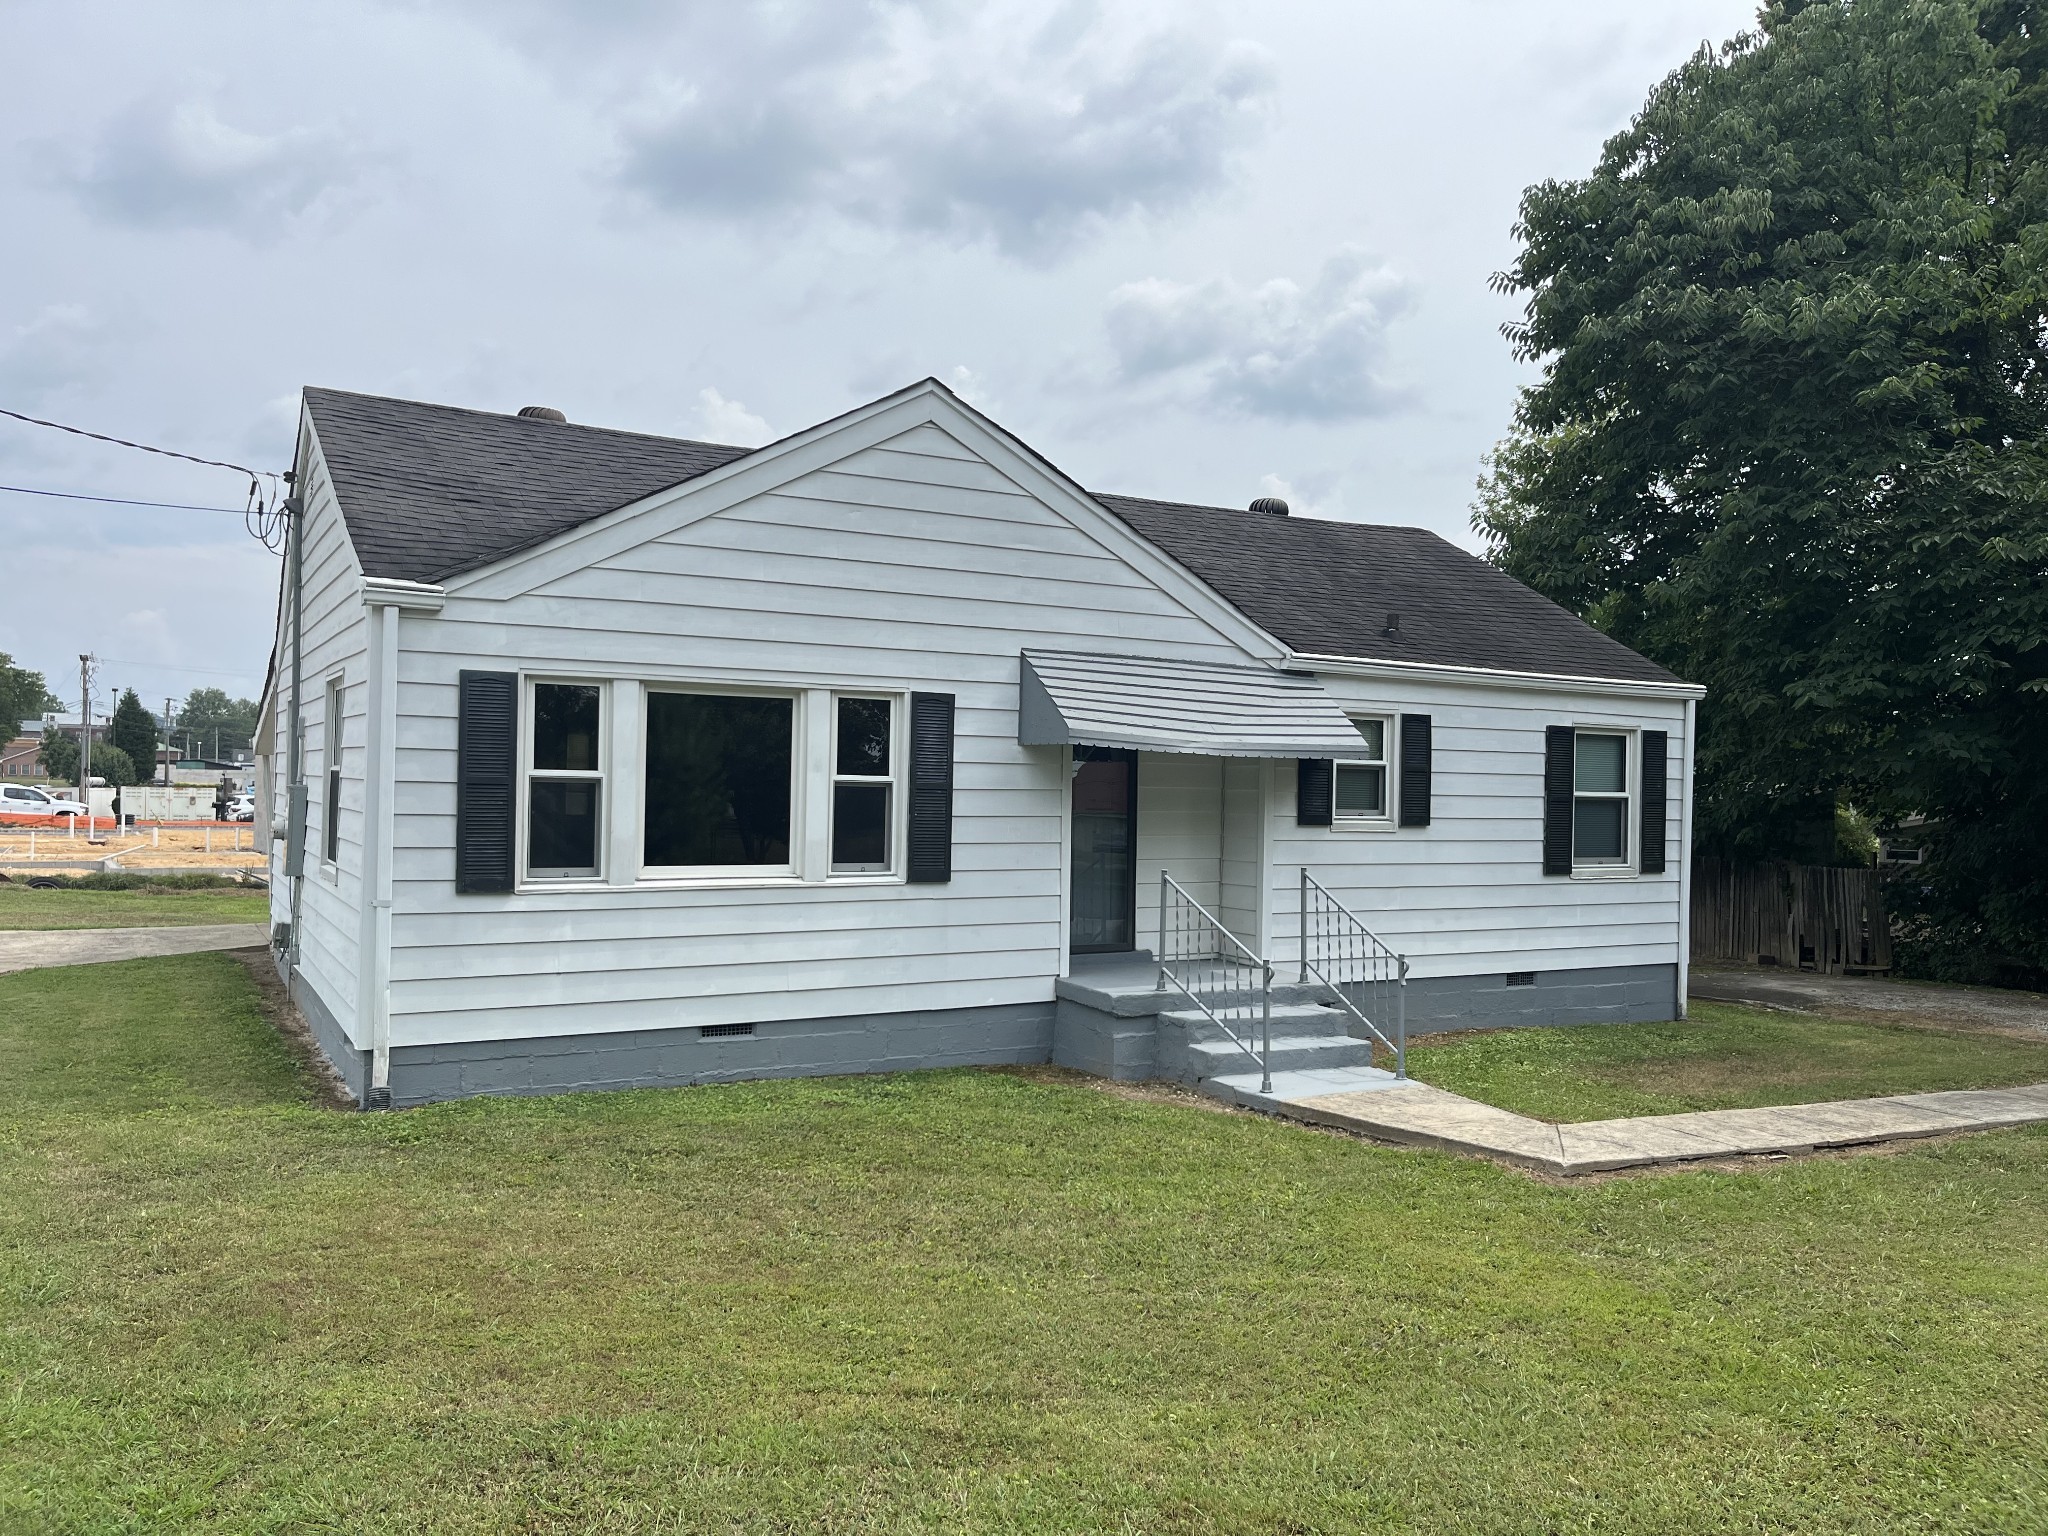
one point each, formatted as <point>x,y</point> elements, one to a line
<point>277,1006</point>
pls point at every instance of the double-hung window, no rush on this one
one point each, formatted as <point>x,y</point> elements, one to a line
<point>1600,800</point>
<point>330,746</point>
<point>863,785</point>
<point>1360,783</point>
<point>564,781</point>
<point>720,769</point>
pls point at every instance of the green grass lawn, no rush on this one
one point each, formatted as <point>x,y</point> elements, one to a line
<point>1723,1057</point>
<point>954,1301</point>
<point>22,908</point>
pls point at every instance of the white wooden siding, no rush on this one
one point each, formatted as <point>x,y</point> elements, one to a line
<point>1467,895</point>
<point>913,564</point>
<point>336,632</point>
<point>1180,808</point>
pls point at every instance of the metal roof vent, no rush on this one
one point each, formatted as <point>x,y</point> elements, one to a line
<point>542,413</point>
<point>1272,506</point>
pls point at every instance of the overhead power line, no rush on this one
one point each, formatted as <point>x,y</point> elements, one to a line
<point>264,520</point>
<point>122,501</point>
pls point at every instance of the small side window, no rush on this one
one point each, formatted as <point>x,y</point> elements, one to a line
<point>330,725</point>
<point>564,786</point>
<point>1600,800</point>
<point>863,785</point>
<point>1361,783</point>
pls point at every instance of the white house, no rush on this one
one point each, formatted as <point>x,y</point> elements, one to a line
<point>627,760</point>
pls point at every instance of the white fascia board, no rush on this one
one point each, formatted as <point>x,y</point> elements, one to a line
<point>1538,682</point>
<point>927,403</point>
<point>390,592</point>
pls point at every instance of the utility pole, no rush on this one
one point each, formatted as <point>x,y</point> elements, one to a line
<point>167,742</point>
<point>85,730</point>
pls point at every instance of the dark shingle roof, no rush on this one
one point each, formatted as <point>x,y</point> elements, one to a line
<point>431,491</point>
<point>1327,589</point>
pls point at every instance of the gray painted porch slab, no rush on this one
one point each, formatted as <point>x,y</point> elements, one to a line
<point>1375,1104</point>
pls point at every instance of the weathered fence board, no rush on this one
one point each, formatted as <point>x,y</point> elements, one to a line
<point>1830,920</point>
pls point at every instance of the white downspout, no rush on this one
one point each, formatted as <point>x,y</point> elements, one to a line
<point>385,600</point>
<point>373,968</point>
<point>1685,861</point>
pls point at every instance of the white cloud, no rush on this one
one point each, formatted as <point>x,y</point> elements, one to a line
<point>1028,124</point>
<point>178,165</point>
<point>720,420</point>
<point>1280,350</point>
<point>61,348</point>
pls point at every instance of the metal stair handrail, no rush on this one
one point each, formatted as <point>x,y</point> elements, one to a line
<point>1340,951</point>
<point>1192,939</point>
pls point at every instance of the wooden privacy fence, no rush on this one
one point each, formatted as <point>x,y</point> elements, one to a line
<point>1830,920</point>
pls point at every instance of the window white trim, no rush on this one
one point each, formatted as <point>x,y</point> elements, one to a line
<point>525,876</point>
<point>1630,796</point>
<point>891,869</point>
<point>690,876</point>
<point>1383,819</point>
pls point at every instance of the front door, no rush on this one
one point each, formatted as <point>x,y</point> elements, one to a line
<point>1105,850</point>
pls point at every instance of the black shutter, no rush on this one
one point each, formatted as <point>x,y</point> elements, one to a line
<point>1315,791</point>
<point>1656,771</point>
<point>931,789</point>
<point>1558,743</point>
<point>486,771</point>
<point>1415,764</point>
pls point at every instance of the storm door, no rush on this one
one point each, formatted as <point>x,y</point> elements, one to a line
<point>1105,850</point>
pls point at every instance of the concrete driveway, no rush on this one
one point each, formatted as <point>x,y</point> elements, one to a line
<point>1872,997</point>
<point>89,946</point>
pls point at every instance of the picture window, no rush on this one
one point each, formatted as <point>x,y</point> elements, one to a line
<point>718,771</point>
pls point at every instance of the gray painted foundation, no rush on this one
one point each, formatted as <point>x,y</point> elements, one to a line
<point>1617,994</point>
<point>1103,1023</point>
<point>658,1058</point>
<point>352,1064</point>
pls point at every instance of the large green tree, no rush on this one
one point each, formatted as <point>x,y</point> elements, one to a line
<point>24,695</point>
<point>134,730</point>
<point>1789,435</point>
<point>217,722</point>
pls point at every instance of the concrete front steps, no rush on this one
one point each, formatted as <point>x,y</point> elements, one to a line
<point>1307,1037</point>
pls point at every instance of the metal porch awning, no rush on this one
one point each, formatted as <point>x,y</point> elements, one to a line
<point>1154,704</point>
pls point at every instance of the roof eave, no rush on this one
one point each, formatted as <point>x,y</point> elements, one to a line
<point>1542,682</point>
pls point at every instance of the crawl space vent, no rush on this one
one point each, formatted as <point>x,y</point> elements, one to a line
<point>1521,978</point>
<point>714,1031</point>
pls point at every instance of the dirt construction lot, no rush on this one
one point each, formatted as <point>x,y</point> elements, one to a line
<point>219,846</point>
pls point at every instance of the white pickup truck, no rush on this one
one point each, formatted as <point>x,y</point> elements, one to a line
<point>27,800</point>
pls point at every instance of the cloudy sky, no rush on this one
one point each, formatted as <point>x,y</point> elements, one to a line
<point>1189,250</point>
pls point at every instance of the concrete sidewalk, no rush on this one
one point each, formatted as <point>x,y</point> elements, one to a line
<point>1379,1106</point>
<point>28,951</point>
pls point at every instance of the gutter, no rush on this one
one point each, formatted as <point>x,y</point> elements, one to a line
<point>1442,672</point>
<point>386,600</point>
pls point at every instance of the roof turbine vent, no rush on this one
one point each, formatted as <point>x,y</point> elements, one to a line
<point>1272,506</point>
<point>542,413</point>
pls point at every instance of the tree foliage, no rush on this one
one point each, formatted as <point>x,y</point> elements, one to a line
<point>217,723</point>
<point>24,695</point>
<point>60,757</point>
<point>113,764</point>
<point>134,730</point>
<point>1789,435</point>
